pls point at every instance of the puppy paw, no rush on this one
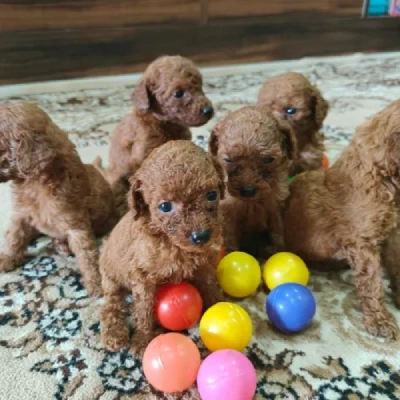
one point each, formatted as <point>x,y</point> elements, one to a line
<point>141,341</point>
<point>94,289</point>
<point>212,298</point>
<point>7,263</point>
<point>61,247</point>
<point>93,286</point>
<point>115,338</point>
<point>139,344</point>
<point>381,324</point>
<point>277,243</point>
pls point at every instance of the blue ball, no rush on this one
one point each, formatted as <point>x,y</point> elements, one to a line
<point>291,307</point>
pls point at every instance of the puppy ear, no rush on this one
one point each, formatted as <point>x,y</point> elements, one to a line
<point>135,198</point>
<point>141,95</point>
<point>213,141</point>
<point>320,107</point>
<point>34,154</point>
<point>289,143</point>
<point>221,176</point>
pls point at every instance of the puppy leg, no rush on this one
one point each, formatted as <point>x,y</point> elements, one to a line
<point>391,261</point>
<point>207,285</point>
<point>365,262</point>
<point>275,225</point>
<point>276,228</point>
<point>143,316</point>
<point>115,332</point>
<point>61,247</point>
<point>230,236</point>
<point>83,244</point>
<point>17,239</point>
<point>120,189</point>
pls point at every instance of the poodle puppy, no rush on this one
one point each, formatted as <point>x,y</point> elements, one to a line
<point>255,149</point>
<point>349,213</point>
<point>168,99</point>
<point>172,232</point>
<point>292,97</point>
<point>53,192</point>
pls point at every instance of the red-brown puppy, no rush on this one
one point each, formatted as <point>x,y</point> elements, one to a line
<point>255,149</point>
<point>291,97</point>
<point>168,99</point>
<point>349,212</point>
<point>53,192</point>
<point>172,232</point>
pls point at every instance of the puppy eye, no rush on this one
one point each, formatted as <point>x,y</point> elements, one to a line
<point>291,111</point>
<point>212,196</point>
<point>227,160</point>
<point>269,160</point>
<point>179,94</point>
<point>165,207</point>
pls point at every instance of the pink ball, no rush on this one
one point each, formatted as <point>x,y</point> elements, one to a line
<point>227,374</point>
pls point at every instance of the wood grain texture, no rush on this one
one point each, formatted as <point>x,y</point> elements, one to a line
<point>347,7</point>
<point>18,15</point>
<point>245,8</point>
<point>60,54</point>
<point>241,8</point>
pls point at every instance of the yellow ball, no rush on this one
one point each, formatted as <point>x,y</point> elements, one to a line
<point>239,274</point>
<point>285,267</point>
<point>226,326</point>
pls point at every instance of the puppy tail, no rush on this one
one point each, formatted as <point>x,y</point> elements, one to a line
<point>117,187</point>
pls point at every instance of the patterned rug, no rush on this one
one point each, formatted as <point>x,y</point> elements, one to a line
<point>49,329</point>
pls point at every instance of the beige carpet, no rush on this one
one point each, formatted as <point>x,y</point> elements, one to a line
<point>49,328</point>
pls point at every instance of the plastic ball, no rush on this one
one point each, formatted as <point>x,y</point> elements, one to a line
<point>285,267</point>
<point>291,307</point>
<point>226,326</point>
<point>325,161</point>
<point>239,274</point>
<point>178,306</point>
<point>227,374</point>
<point>171,362</point>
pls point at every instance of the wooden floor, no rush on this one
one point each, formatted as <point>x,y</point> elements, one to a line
<point>58,39</point>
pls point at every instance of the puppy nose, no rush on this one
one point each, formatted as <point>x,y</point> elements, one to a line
<point>207,111</point>
<point>248,191</point>
<point>200,237</point>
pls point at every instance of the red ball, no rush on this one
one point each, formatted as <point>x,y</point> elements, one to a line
<point>178,306</point>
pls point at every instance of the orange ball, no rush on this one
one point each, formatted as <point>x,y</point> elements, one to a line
<point>171,362</point>
<point>325,161</point>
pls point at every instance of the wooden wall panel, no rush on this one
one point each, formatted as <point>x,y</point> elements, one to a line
<point>59,54</point>
<point>347,7</point>
<point>240,8</point>
<point>59,39</point>
<point>17,15</point>
<point>244,8</point>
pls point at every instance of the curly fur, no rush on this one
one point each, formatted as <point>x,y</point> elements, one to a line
<point>349,212</point>
<point>53,192</point>
<point>158,117</point>
<point>255,149</point>
<point>149,248</point>
<point>293,90</point>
